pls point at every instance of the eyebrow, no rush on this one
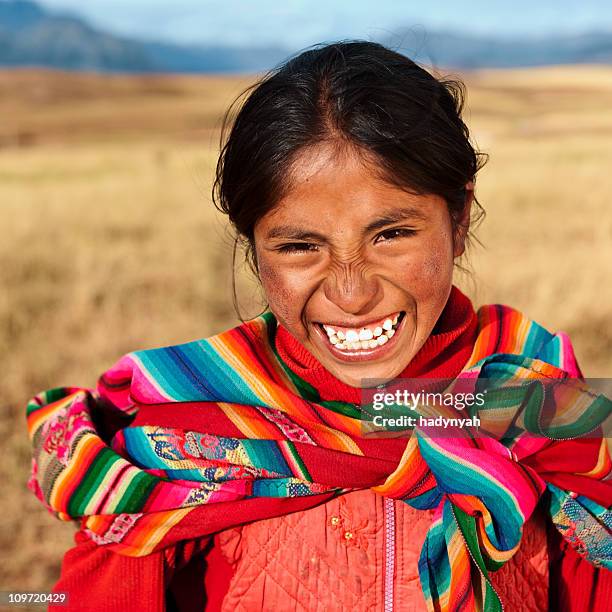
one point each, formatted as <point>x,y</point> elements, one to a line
<point>395,215</point>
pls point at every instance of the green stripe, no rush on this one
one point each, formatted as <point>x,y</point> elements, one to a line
<point>47,397</point>
<point>349,410</point>
<point>139,491</point>
<point>88,487</point>
<point>467,527</point>
<point>296,457</point>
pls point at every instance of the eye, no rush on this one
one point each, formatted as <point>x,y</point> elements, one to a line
<point>297,247</point>
<point>397,232</point>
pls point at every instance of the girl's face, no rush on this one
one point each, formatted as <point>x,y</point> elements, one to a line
<point>356,269</point>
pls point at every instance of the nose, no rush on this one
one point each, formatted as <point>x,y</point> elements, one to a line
<point>351,289</point>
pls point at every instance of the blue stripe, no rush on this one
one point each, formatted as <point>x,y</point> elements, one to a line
<point>194,371</point>
<point>266,454</point>
<point>425,501</point>
<point>456,478</point>
<point>171,375</point>
<point>139,449</point>
<point>230,385</point>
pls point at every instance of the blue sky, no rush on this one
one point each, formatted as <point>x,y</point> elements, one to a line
<point>298,23</point>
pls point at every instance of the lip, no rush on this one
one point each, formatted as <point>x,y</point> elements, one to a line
<point>362,354</point>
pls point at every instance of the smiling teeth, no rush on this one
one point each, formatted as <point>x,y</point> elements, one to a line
<point>365,338</point>
<point>352,336</point>
<point>366,334</point>
<point>361,345</point>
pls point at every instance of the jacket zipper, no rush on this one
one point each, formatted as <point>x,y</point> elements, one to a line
<point>389,560</point>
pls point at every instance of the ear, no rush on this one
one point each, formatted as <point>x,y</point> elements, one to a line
<point>463,222</point>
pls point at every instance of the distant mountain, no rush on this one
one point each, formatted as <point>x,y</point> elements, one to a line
<point>452,49</point>
<point>33,36</point>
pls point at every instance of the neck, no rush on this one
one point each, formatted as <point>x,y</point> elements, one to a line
<point>443,355</point>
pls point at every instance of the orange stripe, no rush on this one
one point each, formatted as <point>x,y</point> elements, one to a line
<point>484,335</point>
<point>85,452</point>
<point>250,422</point>
<point>603,464</point>
<point>36,419</point>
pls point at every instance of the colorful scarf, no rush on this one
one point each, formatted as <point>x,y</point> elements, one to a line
<point>145,460</point>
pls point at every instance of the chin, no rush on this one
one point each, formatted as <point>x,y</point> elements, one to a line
<point>355,373</point>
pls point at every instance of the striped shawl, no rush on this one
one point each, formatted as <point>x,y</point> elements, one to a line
<point>180,442</point>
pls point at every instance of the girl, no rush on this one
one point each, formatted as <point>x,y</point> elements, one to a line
<point>237,472</point>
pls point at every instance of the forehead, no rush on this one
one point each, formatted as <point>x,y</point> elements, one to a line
<point>329,187</point>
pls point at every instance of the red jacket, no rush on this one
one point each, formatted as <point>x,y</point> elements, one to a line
<point>194,578</point>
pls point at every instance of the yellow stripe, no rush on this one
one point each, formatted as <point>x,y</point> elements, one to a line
<point>602,459</point>
<point>75,465</point>
<point>252,379</point>
<point>110,507</point>
<point>101,488</point>
<point>162,529</point>
<point>240,422</point>
<point>520,334</point>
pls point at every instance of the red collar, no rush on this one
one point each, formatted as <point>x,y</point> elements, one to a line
<point>443,355</point>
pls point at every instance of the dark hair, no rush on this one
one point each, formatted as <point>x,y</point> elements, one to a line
<point>355,93</point>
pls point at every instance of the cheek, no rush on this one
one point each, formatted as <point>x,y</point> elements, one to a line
<point>282,291</point>
<point>427,277</point>
<point>437,266</point>
<point>432,267</point>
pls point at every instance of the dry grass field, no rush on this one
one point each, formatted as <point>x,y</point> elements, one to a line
<point>110,242</point>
